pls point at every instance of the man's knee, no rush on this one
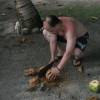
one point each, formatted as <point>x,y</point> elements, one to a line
<point>78,53</point>
<point>44,32</point>
<point>46,35</point>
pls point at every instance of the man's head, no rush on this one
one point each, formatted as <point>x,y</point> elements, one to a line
<point>52,23</point>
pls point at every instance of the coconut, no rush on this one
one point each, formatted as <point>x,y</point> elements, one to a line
<point>94,86</point>
<point>33,82</point>
<point>48,75</point>
<point>30,71</point>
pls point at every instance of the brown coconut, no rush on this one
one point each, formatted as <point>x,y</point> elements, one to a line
<point>33,82</point>
<point>30,71</point>
<point>48,76</point>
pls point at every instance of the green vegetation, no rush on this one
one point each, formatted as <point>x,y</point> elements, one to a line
<point>91,14</point>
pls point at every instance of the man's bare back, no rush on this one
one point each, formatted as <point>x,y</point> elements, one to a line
<point>80,30</point>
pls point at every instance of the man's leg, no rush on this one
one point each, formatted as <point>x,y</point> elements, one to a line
<point>60,48</point>
<point>78,55</point>
<point>59,51</point>
<point>81,45</point>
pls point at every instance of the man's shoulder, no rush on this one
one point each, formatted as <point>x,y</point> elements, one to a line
<point>66,18</point>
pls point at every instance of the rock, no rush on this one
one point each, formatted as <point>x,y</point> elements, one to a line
<point>3,14</point>
<point>18,27</point>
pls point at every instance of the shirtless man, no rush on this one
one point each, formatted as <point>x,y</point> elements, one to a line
<point>65,30</point>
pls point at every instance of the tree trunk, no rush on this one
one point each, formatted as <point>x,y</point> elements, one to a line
<point>28,16</point>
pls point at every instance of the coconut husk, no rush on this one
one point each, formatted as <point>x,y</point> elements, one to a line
<point>92,98</point>
<point>30,71</point>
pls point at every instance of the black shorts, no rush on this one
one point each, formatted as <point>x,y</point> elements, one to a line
<point>81,42</point>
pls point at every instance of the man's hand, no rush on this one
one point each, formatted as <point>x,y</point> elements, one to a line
<point>53,73</point>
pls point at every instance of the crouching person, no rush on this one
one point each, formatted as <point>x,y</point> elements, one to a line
<point>68,36</point>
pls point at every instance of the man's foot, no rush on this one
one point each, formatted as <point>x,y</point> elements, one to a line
<point>78,65</point>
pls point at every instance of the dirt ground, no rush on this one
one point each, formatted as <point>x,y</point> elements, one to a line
<point>15,57</point>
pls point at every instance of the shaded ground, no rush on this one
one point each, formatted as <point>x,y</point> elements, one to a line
<point>15,57</point>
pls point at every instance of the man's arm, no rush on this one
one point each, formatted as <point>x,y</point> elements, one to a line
<point>71,41</point>
<point>69,51</point>
<point>55,71</point>
<point>53,46</point>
